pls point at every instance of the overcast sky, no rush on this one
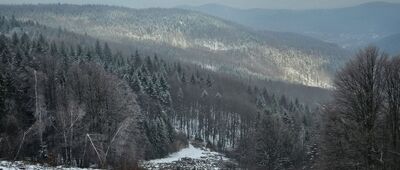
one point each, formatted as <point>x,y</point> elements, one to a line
<point>271,4</point>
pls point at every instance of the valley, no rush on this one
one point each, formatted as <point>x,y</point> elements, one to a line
<point>350,27</point>
<point>103,85</point>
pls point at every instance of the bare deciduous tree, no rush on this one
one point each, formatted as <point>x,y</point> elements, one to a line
<point>357,109</point>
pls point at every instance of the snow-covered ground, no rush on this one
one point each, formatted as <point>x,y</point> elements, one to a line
<point>19,165</point>
<point>189,158</point>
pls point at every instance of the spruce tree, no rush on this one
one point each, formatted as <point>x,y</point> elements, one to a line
<point>164,93</point>
<point>183,78</point>
<point>18,58</point>
<point>149,64</point>
<point>25,41</point>
<point>135,84</point>
<point>138,60</point>
<point>209,82</point>
<point>2,98</point>
<point>53,49</point>
<point>98,49</point>
<point>4,51</point>
<point>107,54</point>
<point>193,79</point>
<point>15,39</point>
<point>41,44</point>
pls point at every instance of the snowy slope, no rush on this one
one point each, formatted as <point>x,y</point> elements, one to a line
<point>190,157</point>
<point>196,38</point>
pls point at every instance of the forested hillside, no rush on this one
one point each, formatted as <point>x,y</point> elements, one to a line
<point>69,99</point>
<point>106,87</point>
<point>390,44</point>
<point>196,38</point>
<point>350,27</point>
<point>64,103</point>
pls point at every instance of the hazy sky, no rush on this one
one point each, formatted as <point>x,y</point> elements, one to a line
<point>272,4</point>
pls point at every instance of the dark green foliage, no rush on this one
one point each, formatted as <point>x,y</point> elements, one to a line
<point>103,89</point>
<point>3,91</point>
<point>98,49</point>
<point>193,80</point>
<point>59,100</point>
<point>209,82</point>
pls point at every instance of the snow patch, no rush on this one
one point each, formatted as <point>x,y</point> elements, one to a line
<point>193,157</point>
<point>189,152</point>
<point>20,165</point>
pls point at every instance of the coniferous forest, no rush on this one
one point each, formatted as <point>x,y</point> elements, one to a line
<point>76,104</point>
<point>76,100</point>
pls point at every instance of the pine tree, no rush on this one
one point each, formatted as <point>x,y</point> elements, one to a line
<point>152,88</point>
<point>138,59</point>
<point>209,82</point>
<point>79,50</point>
<point>25,41</point>
<point>249,90</point>
<point>2,98</point>
<point>18,58</point>
<point>63,50</point>
<point>72,52</point>
<point>179,68</point>
<point>156,62</point>
<point>260,102</point>
<point>4,51</point>
<point>193,80</point>
<point>135,84</point>
<point>98,49</point>
<point>149,64</point>
<point>53,49</point>
<point>15,39</point>
<point>283,102</point>
<point>183,78</point>
<point>89,55</point>
<point>164,93</point>
<point>41,44</point>
<point>14,22</point>
<point>107,54</point>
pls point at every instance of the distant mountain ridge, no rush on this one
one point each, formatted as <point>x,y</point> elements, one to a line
<point>390,44</point>
<point>196,38</point>
<point>350,27</point>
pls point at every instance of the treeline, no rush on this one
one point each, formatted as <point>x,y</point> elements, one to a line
<point>362,123</point>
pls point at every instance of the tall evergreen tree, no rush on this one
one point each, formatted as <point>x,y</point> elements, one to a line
<point>193,79</point>
<point>15,39</point>
<point>138,59</point>
<point>2,98</point>
<point>98,49</point>
<point>208,81</point>
<point>4,51</point>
